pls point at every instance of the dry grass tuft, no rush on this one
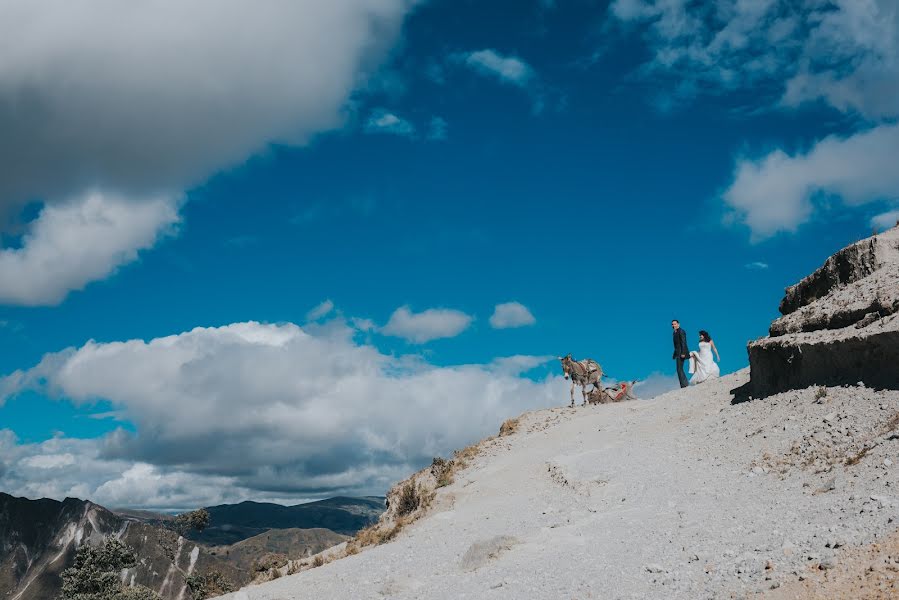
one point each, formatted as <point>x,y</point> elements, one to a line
<point>443,470</point>
<point>409,500</point>
<point>317,561</point>
<point>508,427</point>
<point>462,457</point>
<point>821,393</point>
<point>892,424</point>
<point>856,458</point>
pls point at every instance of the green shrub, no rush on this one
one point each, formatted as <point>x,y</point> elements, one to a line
<point>95,574</point>
<point>195,519</point>
<point>209,585</point>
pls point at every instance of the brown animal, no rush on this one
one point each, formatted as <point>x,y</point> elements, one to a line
<point>581,372</point>
<point>619,393</point>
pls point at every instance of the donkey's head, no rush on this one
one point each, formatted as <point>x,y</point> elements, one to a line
<point>566,364</point>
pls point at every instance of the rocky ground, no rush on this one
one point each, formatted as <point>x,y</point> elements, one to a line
<point>683,496</point>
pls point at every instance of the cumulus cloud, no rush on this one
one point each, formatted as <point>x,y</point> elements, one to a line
<point>260,410</point>
<point>382,121</point>
<point>845,52</point>
<point>431,324</point>
<point>508,69</point>
<point>886,220</point>
<point>83,240</point>
<point>141,99</point>
<point>511,314</point>
<point>776,192</point>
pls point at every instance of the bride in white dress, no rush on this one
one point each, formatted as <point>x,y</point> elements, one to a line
<point>702,365</point>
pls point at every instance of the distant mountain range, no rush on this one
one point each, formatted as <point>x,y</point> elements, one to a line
<point>38,540</point>
<point>231,523</point>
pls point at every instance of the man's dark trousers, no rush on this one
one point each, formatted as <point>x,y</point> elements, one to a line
<point>681,353</point>
<point>681,376</point>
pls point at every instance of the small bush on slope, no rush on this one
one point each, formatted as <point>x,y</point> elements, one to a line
<point>209,585</point>
<point>508,427</point>
<point>410,499</point>
<point>196,519</point>
<point>95,574</point>
<point>442,470</point>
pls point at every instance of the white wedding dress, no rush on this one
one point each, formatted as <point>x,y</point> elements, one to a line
<point>703,366</point>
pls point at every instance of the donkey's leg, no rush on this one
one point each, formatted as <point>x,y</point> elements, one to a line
<point>572,391</point>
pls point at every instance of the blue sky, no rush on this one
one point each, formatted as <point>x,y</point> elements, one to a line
<point>605,167</point>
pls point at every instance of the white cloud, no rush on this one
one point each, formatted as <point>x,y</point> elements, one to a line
<point>508,69</point>
<point>69,245</point>
<point>776,193</point>
<point>756,266</point>
<point>382,121</point>
<point>511,314</point>
<point>262,411</point>
<point>150,98</point>
<point>49,461</point>
<point>322,310</point>
<point>845,52</point>
<point>431,324</point>
<point>886,220</point>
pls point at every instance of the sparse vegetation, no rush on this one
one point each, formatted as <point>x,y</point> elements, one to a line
<point>409,500</point>
<point>317,561</point>
<point>462,457</point>
<point>442,470</point>
<point>196,519</point>
<point>857,457</point>
<point>508,427</point>
<point>821,393</point>
<point>209,585</point>
<point>269,561</point>
<point>96,574</point>
<point>892,424</point>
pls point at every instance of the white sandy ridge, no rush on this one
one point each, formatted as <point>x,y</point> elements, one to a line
<point>682,496</point>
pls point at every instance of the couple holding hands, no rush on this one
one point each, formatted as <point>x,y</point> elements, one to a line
<point>702,365</point>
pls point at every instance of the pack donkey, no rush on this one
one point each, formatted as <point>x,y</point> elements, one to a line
<point>583,373</point>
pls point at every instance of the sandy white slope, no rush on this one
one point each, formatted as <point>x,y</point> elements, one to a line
<point>683,496</point>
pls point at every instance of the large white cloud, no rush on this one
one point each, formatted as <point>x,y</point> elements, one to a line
<point>138,99</point>
<point>80,241</point>
<point>776,192</point>
<point>268,410</point>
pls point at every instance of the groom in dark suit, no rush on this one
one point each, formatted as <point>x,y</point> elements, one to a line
<point>681,352</point>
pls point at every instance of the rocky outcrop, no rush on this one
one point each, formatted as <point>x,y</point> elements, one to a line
<point>839,325</point>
